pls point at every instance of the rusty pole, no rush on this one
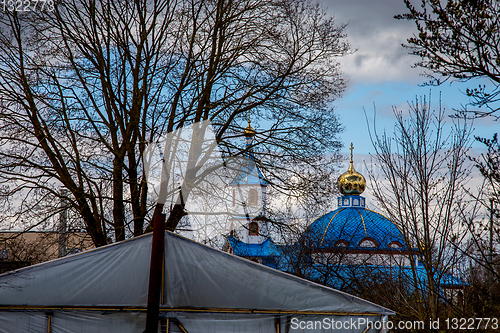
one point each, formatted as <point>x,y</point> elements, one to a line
<point>155,274</point>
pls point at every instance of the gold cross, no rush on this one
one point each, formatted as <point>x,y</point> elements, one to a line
<point>352,147</point>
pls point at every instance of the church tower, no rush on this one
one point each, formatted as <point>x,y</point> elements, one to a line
<point>250,186</point>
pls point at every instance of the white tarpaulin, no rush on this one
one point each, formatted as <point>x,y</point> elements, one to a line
<point>204,290</point>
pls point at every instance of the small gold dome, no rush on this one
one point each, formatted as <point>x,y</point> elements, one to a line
<point>249,131</point>
<point>351,182</point>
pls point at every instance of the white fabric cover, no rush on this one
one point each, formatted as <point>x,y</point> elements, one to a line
<point>116,274</point>
<point>11,322</point>
<point>199,276</point>
<point>72,322</point>
<point>196,276</point>
<point>236,323</point>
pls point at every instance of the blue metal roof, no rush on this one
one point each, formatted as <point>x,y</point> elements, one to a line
<point>265,249</point>
<point>340,275</point>
<point>249,174</point>
<point>352,225</point>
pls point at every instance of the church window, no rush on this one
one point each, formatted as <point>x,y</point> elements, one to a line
<point>367,242</point>
<point>341,243</point>
<point>253,229</point>
<point>253,197</point>
<point>395,245</point>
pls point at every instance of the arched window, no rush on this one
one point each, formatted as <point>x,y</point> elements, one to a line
<point>395,245</point>
<point>253,229</point>
<point>367,242</point>
<point>253,197</point>
<point>341,243</point>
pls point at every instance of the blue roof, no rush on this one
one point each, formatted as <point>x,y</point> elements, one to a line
<point>338,276</point>
<point>249,173</point>
<point>265,249</point>
<point>341,275</point>
<point>352,225</point>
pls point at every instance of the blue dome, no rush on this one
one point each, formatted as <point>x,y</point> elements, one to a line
<point>354,228</point>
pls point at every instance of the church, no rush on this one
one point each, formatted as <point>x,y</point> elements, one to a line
<point>349,242</point>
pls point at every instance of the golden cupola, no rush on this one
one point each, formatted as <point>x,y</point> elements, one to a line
<point>351,182</point>
<point>249,131</point>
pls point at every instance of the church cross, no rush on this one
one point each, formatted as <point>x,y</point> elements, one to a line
<point>352,147</point>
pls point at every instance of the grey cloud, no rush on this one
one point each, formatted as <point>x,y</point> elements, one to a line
<point>377,36</point>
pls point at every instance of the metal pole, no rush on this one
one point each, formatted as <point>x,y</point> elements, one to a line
<point>490,256</point>
<point>62,228</point>
<point>155,274</point>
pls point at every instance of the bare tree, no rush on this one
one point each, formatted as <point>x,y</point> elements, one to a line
<point>459,40</point>
<point>489,166</point>
<point>86,86</point>
<point>482,223</point>
<point>420,187</point>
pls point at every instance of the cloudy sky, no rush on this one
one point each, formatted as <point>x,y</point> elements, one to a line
<point>380,75</point>
<point>380,72</point>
